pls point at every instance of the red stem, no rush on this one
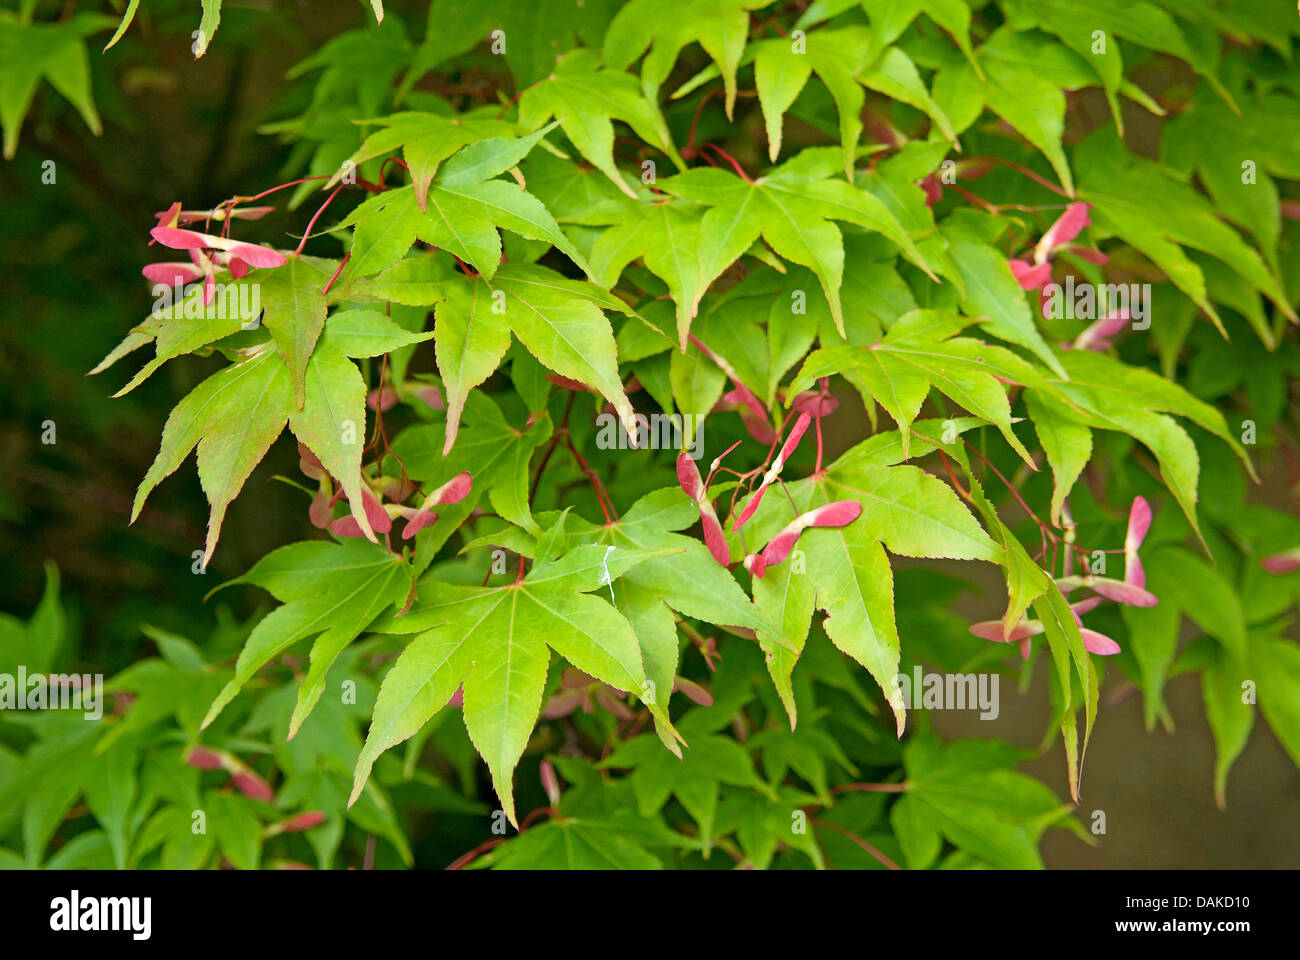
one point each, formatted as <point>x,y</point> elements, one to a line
<point>859,841</point>
<point>315,216</point>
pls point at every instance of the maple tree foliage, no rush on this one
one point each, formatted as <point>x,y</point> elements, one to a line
<point>830,239</point>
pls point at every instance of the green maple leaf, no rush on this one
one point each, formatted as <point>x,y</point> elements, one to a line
<point>233,417</point>
<point>294,312</point>
<point>574,843</point>
<point>426,140</point>
<point>1102,393</point>
<point>460,213</point>
<point>792,208</point>
<point>888,21</point>
<point>561,322</point>
<point>55,51</point>
<point>695,779</point>
<point>920,352</point>
<point>188,325</point>
<point>332,589</point>
<point>969,793</point>
<point>496,642</point>
<point>1142,23</point>
<point>846,569</point>
<point>1024,79</point>
<point>1266,132</point>
<point>719,26</point>
<point>585,100</point>
<point>495,453</point>
<point>667,240</point>
<point>845,60</point>
<point>689,581</point>
<point>1125,190</point>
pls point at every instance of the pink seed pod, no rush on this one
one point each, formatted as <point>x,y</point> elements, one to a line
<point>815,403</point>
<point>453,491</point>
<point>250,253</point>
<point>205,758</point>
<point>382,399</point>
<point>780,546</point>
<point>741,395</point>
<point>1065,229</point>
<point>933,188</point>
<point>418,520</point>
<point>394,489</point>
<point>837,514</point>
<point>1098,643</point>
<point>1088,253</point>
<point>321,511</point>
<point>994,630</point>
<point>1282,563</point>
<point>792,441</point>
<point>1030,276</point>
<point>379,519</point>
<point>302,821</point>
<point>610,699</point>
<point>1121,592</point>
<point>1085,606</point>
<point>169,217</point>
<point>568,383</point>
<point>755,564</point>
<point>693,691</point>
<point>563,704</point>
<point>309,463</point>
<point>172,274</point>
<point>550,782</point>
<point>1022,633</point>
<point>688,476</point>
<point>251,785</point>
<point>1097,335</point>
<point>787,450</point>
<point>714,538</point>
<point>758,428</point>
<point>1139,522</point>
<point>427,392</point>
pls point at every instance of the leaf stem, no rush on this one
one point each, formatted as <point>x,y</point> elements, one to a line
<point>859,841</point>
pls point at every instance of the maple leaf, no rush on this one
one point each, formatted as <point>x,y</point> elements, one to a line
<point>334,590</point>
<point>585,100</point>
<point>845,61</point>
<point>920,352</point>
<point>719,26</point>
<point>791,208</point>
<point>294,311</point>
<point>426,140</point>
<point>561,322</point>
<point>55,51</point>
<point>461,212</point>
<point>847,572</point>
<point>496,641</point>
